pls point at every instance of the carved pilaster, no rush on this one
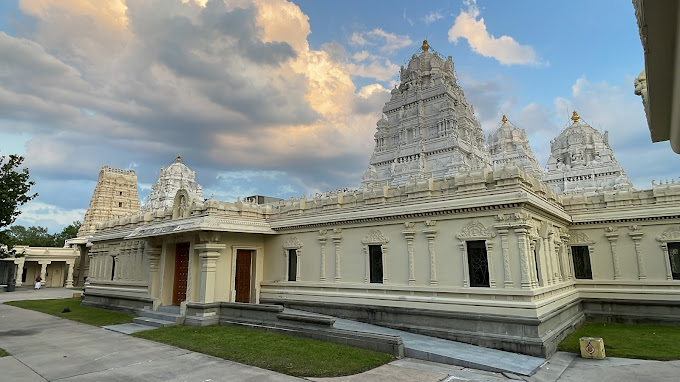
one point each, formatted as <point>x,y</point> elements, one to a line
<point>636,234</point>
<point>154,256</point>
<point>322,240</point>
<point>507,275</point>
<point>612,236</point>
<point>431,233</point>
<point>533,264</point>
<point>69,274</point>
<point>521,233</point>
<point>337,238</point>
<point>408,235</point>
<point>208,254</point>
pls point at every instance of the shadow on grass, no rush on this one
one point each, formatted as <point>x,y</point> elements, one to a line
<point>300,357</point>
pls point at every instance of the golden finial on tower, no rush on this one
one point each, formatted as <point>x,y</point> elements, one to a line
<point>575,117</point>
<point>179,159</point>
<point>425,46</point>
<point>505,119</point>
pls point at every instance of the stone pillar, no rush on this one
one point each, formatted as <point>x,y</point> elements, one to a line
<point>533,264</point>
<point>525,282</point>
<point>337,238</point>
<point>431,233</point>
<point>19,274</point>
<point>507,275</point>
<point>154,255</point>
<point>545,246</point>
<point>140,261</point>
<point>208,254</point>
<point>466,273</point>
<point>636,235</point>
<point>408,235</point>
<point>43,270</point>
<point>92,275</point>
<point>69,275</point>
<point>322,240</point>
<point>612,236</point>
<point>566,255</point>
<point>119,267</point>
<point>560,260</point>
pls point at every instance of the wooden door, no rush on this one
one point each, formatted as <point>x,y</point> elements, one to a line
<point>242,279</point>
<point>179,285</point>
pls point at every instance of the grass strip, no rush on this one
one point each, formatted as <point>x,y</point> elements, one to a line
<point>629,340</point>
<point>300,357</point>
<point>84,314</point>
<point>3,353</point>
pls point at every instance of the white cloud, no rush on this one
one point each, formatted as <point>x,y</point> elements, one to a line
<point>504,49</point>
<point>36,213</point>
<point>432,17</point>
<point>386,42</point>
<point>406,18</point>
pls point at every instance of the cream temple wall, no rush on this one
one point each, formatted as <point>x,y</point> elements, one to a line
<point>447,235</point>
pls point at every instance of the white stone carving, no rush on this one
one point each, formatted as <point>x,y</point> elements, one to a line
<point>581,160</point>
<point>670,234</point>
<point>426,118</point>
<point>579,237</point>
<point>171,179</point>
<point>475,230</point>
<point>508,144</point>
<point>292,243</point>
<point>375,237</point>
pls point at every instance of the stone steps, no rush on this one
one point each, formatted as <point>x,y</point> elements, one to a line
<point>148,321</point>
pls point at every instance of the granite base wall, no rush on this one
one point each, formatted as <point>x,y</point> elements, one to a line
<point>128,304</point>
<point>632,311</point>
<point>533,336</point>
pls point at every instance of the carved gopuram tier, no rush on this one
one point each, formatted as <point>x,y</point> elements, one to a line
<point>428,129</point>
<point>171,179</point>
<point>581,160</point>
<point>509,144</point>
<point>115,195</point>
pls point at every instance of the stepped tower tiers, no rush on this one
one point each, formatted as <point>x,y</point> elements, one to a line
<point>581,160</point>
<point>171,179</point>
<point>428,129</point>
<point>509,144</point>
<point>114,195</point>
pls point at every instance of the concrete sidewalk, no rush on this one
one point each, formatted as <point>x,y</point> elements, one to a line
<point>47,348</point>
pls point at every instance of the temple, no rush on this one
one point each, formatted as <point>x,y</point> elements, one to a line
<point>450,234</point>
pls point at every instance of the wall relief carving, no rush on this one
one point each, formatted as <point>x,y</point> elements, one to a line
<point>475,230</point>
<point>671,234</point>
<point>375,236</point>
<point>292,242</point>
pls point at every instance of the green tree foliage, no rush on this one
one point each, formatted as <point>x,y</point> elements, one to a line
<point>39,237</point>
<point>14,188</point>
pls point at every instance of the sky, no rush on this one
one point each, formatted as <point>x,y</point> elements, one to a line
<point>281,98</point>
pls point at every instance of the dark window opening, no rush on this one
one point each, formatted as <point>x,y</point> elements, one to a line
<point>375,261</point>
<point>292,265</point>
<point>538,277</point>
<point>113,267</point>
<point>581,258</point>
<point>120,204</point>
<point>478,264</point>
<point>120,193</point>
<point>674,258</point>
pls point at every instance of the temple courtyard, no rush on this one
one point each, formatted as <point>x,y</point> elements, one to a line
<point>47,348</point>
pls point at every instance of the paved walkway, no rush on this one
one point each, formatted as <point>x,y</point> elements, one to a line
<point>47,348</point>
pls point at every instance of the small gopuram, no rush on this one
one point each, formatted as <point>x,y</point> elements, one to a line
<point>428,129</point>
<point>171,179</point>
<point>443,238</point>
<point>581,160</point>
<point>508,144</point>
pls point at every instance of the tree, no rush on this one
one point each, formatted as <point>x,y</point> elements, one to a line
<point>69,232</point>
<point>14,188</point>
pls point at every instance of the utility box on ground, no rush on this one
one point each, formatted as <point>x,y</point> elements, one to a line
<point>592,347</point>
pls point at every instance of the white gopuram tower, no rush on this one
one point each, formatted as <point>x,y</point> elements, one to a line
<point>171,179</point>
<point>581,160</point>
<point>509,144</point>
<point>428,129</point>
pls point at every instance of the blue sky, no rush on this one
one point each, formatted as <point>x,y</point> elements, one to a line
<point>281,98</point>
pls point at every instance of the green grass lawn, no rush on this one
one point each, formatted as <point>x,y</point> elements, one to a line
<point>3,353</point>
<point>300,357</point>
<point>629,340</point>
<point>84,314</point>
